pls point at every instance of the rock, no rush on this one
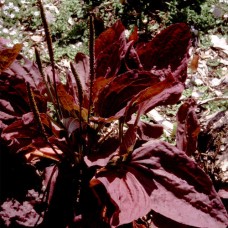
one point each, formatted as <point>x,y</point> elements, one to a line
<point>219,43</point>
<point>153,114</point>
<point>215,82</point>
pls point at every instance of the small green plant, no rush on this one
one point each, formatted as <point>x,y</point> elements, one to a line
<point>202,14</point>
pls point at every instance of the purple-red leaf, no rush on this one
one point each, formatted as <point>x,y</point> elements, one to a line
<point>98,85</point>
<point>168,48</point>
<point>8,55</point>
<point>103,154</point>
<point>162,178</point>
<point>108,62</point>
<point>71,124</point>
<point>132,60</point>
<point>165,92</point>
<point>67,101</point>
<point>14,99</point>
<point>20,133</point>
<point>108,37</point>
<point>129,196</point>
<point>39,149</point>
<point>187,127</point>
<point>129,140</point>
<point>115,95</point>
<point>145,130</point>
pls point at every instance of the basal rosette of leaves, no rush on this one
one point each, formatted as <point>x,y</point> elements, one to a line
<point>109,167</point>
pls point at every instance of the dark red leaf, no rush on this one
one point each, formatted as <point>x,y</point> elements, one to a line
<point>20,133</point>
<point>145,130</point>
<point>108,62</point>
<point>23,136</point>
<point>129,140</point>
<point>98,85</point>
<point>187,127</point>
<point>25,70</point>
<point>82,68</point>
<point>14,93</point>
<point>103,154</point>
<point>168,48</point>
<point>115,95</point>
<point>71,124</point>
<point>108,37</point>
<point>66,99</point>
<point>179,181</point>
<point>33,76</point>
<point>8,55</point>
<point>7,113</point>
<point>71,86</point>
<point>101,120</point>
<point>132,60</point>
<point>148,131</point>
<point>39,149</point>
<point>164,222</point>
<point>162,178</point>
<point>165,92</point>
<point>128,195</point>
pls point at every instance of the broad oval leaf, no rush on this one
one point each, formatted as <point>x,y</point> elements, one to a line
<point>183,191</point>
<point>66,99</point>
<point>147,131</point>
<point>108,62</point>
<point>20,133</point>
<point>166,177</point>
<point>115,95</point>
<point>108,37</point>
<point>168,48</point>
<point>165,92</point>
<point>128,195</point>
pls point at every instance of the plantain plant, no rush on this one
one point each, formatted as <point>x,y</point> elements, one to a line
<point>106,167</point>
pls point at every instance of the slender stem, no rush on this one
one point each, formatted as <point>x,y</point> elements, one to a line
<point>80,98</point>
<point>36,114</point>
<point>38,61</point>
<point>91,61</point>
<point>121,124</point>
<point>51,55</point>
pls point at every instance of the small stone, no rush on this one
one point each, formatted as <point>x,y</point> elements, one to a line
<point>153,114</point>
<point>168,125</point>
<point>215,82</point>
<point>196,94</point>
<point>37,38</point>
<point>222,147</point>
<point>198,82</point>
<point>218,93</point>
